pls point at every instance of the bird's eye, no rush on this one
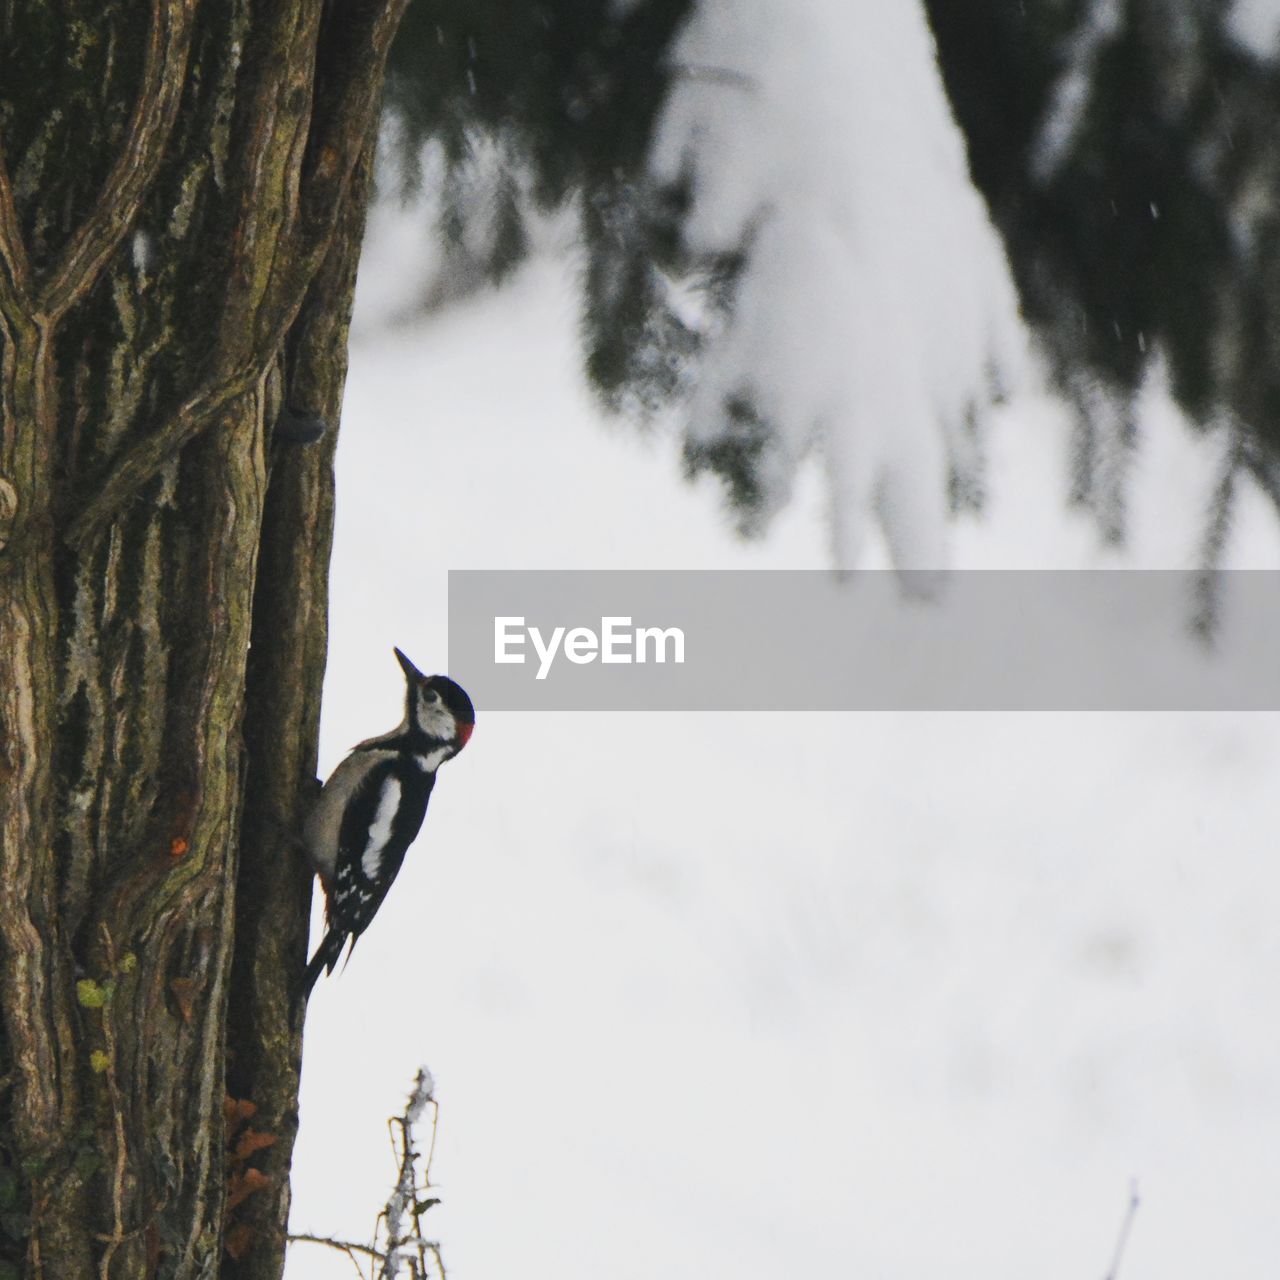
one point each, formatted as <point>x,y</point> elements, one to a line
<point>430,697</point>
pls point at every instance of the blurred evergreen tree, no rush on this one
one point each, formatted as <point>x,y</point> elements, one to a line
<point>562,96</point>
<point>1129,154</point>
<point>1127,150</point>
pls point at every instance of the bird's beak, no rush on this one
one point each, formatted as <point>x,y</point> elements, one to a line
<point>464,733</point>
<point>410,671</point>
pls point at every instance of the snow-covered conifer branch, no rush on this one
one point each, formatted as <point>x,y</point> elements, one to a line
<point>873,302</point>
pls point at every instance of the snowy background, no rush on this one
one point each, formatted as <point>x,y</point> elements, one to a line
<point>895,996</point>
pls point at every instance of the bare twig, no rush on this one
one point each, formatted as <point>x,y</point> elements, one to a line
<point>1122,1239</point>
<point>349,1247</point>
<point>160,91</point>
<point>420,1206</point>
<point>434,1250</point>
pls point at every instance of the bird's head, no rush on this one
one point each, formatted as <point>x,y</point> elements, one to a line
<point>437,707</point>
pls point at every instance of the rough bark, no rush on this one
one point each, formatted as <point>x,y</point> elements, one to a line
<point>182,192</point>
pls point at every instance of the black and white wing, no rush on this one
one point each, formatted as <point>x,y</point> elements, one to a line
<point>377,829</point>
<point>383,809</point>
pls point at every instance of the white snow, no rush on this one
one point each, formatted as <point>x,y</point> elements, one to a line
<point>876,302</point>
<point>1256,25</point>
<point>918,1000</point>
<point>923,996</point>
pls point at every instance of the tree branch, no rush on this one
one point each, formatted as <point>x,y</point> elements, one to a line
<point>160,91</point>
<point>349,1247</point>
<point>15,269</point>
<point>354,55</point>
<point>126,476</point>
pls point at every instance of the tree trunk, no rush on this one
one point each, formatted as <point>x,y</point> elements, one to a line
<point>182,194</point>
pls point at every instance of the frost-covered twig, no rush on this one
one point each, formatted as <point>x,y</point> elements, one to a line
<point>402,1218</point>
<point>404,1203</point>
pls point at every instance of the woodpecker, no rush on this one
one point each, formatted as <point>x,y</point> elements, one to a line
<point>371,809</point>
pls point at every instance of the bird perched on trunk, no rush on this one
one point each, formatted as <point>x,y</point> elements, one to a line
<point>371,809</point>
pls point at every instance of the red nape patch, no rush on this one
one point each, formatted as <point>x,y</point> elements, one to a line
<point>464,732</point>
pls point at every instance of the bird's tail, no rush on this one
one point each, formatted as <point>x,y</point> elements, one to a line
<point>325,958</point>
